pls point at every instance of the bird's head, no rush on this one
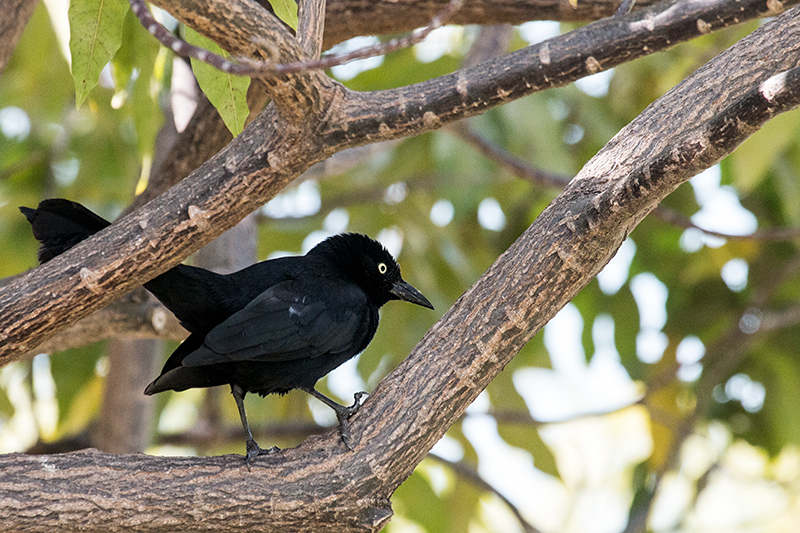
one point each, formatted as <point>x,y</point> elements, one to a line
<point>371,266</point>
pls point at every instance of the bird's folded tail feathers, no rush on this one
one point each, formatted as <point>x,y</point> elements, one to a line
<point>183,378</point>
<point>60,224</point>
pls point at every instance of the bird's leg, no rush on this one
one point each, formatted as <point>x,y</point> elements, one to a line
<point>343,413</point>
<point>253,449</point>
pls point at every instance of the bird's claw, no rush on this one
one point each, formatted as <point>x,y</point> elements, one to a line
<point>344,418</point>
<point>353,409</point>
<point>344,424</point>
<point>254,450</point>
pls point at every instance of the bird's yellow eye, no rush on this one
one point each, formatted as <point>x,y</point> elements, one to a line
<point>382,268</point>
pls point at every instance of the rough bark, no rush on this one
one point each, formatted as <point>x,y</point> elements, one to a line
<point>320,486</point>
<point>134,316</point>
<point>346,19</point>
<point>274,150</point>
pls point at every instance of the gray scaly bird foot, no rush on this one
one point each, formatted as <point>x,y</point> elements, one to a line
<point>254,450</point>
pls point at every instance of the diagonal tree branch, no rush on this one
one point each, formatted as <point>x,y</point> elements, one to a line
<point>320,482</point>
<point>344,19</point>
<point>271,152</point>
<point>553,63</point>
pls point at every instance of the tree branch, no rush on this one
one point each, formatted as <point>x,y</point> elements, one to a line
<point>250,67</point>
<point>311,26</point>
<point>410,410</point>
<point>134,316</point>
<point>469,473</point>
<point>346,19</point>
<point>426,106</point>
<point>247,30</point>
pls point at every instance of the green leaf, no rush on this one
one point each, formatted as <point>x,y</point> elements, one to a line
<point>227,93</point>
<point>286,10</point>
<point>95,28</point>
<point>137,75</point>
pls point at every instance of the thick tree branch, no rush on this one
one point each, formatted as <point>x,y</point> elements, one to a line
<point>134,316</point>
<point>350,18</point>
<point>426,106</point>
<point>320,480</point>
<point>344,19</point>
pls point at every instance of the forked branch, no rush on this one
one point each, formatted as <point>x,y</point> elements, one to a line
<point>320,486</point>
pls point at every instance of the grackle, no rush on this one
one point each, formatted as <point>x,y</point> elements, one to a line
<point>272,327</point>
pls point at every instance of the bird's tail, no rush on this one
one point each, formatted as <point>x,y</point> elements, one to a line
<point>60,224</point>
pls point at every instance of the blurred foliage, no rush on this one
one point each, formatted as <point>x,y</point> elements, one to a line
<point>95,155</point>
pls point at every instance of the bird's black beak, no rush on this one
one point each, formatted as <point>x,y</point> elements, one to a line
<point>404,291</point>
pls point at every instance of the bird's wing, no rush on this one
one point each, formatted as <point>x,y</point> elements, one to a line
<point>285,323</point>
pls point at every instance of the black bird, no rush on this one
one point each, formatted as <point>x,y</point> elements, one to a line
<point>275,326</point>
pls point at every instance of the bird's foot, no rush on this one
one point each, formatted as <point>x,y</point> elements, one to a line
<point>254,450</point>
<point>344,414</point>
<point>353,409</point>
<point>344,424</point>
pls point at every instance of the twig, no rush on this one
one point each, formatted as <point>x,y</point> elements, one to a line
<point>625,7</point>
<point>508,160</point>
<point>768,234</point>
<point>251,67</point>
<point>469,473</point>
<point>722,356</point>
<point>543,178</point>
